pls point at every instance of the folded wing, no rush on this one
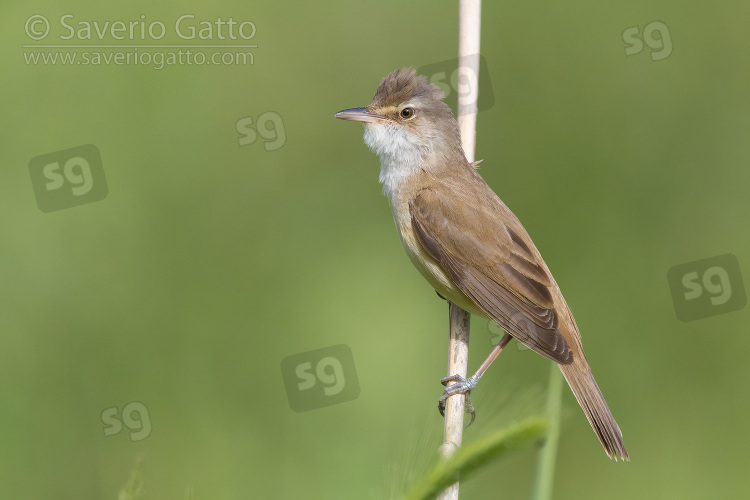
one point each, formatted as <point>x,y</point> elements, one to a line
<point>493,266</point>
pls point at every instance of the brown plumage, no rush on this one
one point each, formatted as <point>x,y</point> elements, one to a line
<point>465,241</point>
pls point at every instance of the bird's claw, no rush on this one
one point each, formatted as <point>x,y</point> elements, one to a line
<point>461,386</point>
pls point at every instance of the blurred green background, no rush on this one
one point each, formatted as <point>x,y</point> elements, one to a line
<point>209,262</point>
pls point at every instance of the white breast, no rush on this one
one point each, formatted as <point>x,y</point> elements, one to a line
<point>401,154</point>
<point>401,159</point>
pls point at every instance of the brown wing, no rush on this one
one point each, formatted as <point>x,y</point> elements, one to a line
<point>492,265</point>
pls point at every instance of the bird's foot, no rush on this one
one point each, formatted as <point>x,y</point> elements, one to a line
<point>461,386</point>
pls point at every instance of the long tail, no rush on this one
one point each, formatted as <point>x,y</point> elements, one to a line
<point>582,382</point>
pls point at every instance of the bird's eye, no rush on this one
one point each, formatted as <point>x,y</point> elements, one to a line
<point>407,112</point>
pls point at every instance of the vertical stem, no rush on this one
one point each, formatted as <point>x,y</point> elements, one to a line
<point>469,16</point>
<point>458,362</point>
<point>545,469</point>
<point>469,25</point>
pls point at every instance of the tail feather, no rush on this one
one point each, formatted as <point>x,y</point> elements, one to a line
<point>582,382</point>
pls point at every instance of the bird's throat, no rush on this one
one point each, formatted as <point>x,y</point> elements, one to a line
<point>401,153</point>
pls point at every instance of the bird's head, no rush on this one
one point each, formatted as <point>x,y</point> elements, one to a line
<point>408,125</point>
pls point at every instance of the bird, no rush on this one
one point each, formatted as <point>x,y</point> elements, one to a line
<point>467,243</point>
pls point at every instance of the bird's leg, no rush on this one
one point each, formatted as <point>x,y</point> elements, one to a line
<point>465,385</point>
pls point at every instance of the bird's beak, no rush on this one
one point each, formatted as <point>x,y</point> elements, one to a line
<point>361,115</point>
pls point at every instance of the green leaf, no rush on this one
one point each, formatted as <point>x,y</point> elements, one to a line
<point>471,457</point>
